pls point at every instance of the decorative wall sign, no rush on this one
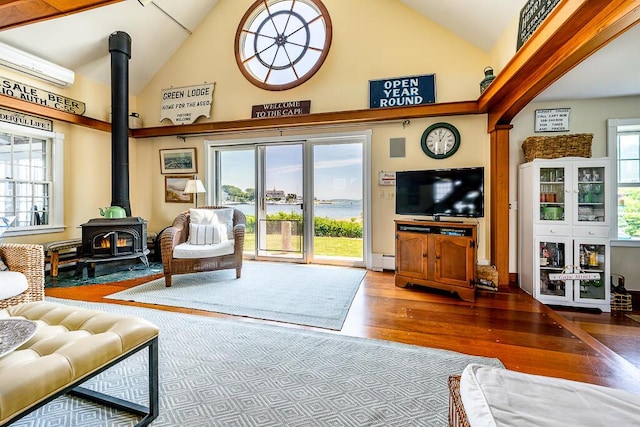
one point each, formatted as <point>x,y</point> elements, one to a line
<point>574,276</point>
<point>42,97</point>
<point>402,91</point>
<point>531,16</point>
<point>178,160</point>
<point>552,120</point>
<point>386,178</point>
<point>183,105</point>
<point>281,109</point>
<point>22,119</point>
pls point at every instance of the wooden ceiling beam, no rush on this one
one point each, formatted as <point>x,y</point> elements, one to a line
<point>574,30</point>
<point>315,119</point>
<point>16,13</point>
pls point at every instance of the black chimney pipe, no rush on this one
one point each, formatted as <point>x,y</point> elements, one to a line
<point>120,49</point>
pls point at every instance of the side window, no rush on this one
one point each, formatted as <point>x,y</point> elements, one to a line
<point>27,175</point>
<point>624,150</point>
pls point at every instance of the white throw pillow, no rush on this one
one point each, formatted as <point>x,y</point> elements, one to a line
<point>213,216</point>
<point>12,283</point>
<point>200,234</point>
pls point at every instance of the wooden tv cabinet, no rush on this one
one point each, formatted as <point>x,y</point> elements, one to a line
<point>437,254</point>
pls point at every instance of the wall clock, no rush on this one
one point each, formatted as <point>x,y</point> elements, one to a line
<point>280,44</point>
<point>440,140</point>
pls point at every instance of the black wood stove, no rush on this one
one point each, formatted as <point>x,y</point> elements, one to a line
<point>106,240</point>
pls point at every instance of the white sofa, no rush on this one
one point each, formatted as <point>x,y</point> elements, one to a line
<point>496,397</point>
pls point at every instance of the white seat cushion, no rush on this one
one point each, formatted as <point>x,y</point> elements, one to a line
<point>187,250</point>
<point>500,397</point>
<point>12,283</point>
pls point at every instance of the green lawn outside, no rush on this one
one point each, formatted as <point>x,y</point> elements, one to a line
<point>325,246</point>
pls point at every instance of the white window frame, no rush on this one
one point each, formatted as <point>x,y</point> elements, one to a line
<point>613,126</point>
<point>56,214</point>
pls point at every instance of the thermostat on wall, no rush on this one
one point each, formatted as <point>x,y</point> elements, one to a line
<point>386,178</point>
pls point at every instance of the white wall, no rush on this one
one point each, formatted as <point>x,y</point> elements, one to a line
<point>587,116</point>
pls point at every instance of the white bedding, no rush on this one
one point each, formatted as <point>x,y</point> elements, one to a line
<point>499,397</point>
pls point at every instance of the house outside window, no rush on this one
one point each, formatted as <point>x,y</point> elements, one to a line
<point>31,179</point>
<point>624,150</point>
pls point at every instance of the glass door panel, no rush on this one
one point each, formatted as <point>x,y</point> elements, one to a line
<point>552,194</point>
<point>280,211</point>
<point>591,259</point>
<point>591,194</point>
<point>235,187</point>
<point>338,201</point>
<point>552,256</point>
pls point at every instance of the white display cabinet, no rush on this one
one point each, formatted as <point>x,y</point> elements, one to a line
<point>563,231</point>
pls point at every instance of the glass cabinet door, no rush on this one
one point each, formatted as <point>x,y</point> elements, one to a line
<point>591,194</point>
<point>591,257</point>
<point>552,260</point>
<point>552,194</point>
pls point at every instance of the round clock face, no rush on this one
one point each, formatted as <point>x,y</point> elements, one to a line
<point>280,44</point>
<point>440,140</point>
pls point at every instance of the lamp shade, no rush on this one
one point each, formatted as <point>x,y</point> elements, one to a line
<point>194,186</point>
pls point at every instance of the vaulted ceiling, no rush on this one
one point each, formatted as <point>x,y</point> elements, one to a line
<point>158,27</point>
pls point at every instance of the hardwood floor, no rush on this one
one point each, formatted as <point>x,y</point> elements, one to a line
<point>510,325</point>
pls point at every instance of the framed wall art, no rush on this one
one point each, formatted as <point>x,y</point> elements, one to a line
<point>178,160</point>
<point>174,187</point>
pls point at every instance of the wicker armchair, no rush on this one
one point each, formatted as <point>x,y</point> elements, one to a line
<point>179,233</point>
<point>27,259</point>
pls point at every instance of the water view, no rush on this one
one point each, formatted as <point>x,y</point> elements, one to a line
<point>333,209</point>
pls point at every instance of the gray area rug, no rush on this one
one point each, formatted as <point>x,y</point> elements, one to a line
<point>227,372</point>
<point>303,294</point>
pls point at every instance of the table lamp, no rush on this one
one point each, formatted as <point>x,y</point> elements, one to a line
<point>194,186</point>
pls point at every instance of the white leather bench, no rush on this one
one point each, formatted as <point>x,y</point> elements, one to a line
<point>70,346</point>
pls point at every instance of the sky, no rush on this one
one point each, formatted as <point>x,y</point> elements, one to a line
<point>337,170</point>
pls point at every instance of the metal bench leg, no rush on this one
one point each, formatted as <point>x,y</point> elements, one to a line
<point>149,413</point>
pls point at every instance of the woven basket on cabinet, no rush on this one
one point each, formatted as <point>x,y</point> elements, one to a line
<point>552,147</point>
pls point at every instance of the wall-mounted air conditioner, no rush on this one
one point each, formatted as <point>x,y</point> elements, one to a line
<point>24,62</point>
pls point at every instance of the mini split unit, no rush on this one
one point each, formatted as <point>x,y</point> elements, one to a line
<point>24,62</point>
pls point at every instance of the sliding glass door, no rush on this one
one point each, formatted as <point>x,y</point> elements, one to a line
<point>304,200</point>
<point>280,222</point>
<point>338,202</point>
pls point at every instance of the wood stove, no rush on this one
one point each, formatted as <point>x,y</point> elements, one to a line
<point>106,240</point>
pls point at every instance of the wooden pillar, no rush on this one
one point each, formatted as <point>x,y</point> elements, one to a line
<point>500,201</point>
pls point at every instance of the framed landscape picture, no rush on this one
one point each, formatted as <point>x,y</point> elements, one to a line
<point>174,187</point>
<point>178,160</point>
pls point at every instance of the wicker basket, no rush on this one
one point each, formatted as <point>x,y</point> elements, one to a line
<point>552,147</point>
<point>621,302</point>
<point>487,277</point>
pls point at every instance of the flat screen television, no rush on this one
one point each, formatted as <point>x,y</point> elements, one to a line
<point>441,192</point>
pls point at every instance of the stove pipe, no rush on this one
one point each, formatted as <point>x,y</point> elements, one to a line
<point>120,49</point>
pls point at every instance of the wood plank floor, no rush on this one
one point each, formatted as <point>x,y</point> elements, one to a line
<point>510,325</point>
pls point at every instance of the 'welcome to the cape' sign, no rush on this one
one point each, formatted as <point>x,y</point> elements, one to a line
<point>402,91</point>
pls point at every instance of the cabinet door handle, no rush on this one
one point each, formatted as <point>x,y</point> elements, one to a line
<point>591,233</point>
<point>552,231</point>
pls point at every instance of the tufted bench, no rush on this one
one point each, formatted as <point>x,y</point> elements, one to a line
<point>70,346</point>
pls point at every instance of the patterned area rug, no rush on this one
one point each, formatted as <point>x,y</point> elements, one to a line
<point>310,295</point>
<point>226,372</point>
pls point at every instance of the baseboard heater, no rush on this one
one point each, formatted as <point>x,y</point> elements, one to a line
<point>383,262</point>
